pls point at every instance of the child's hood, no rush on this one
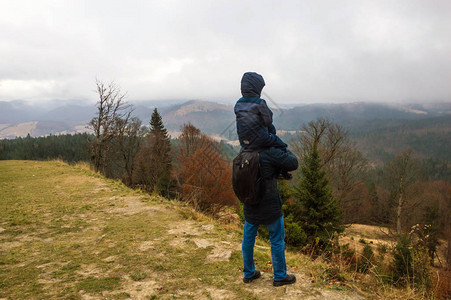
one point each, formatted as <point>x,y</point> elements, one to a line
<point>252,84</point>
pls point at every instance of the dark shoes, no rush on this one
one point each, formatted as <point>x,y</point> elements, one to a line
<point>257,275</point>
<point>290,279</point>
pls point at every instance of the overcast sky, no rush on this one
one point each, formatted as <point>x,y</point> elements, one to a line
<point>307,51</point>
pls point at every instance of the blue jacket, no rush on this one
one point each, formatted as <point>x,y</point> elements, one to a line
<point>269,209</point>
<point>253,116</point>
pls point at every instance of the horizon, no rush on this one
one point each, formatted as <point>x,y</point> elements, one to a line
<point>53,103</point>
<point>38,119</point>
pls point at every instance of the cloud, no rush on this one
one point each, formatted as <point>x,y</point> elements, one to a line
<point>332,51</point>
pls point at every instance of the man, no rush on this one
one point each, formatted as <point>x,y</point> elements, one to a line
<point>268,212</point>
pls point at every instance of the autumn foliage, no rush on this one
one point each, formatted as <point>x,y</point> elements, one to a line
<point>205,176</point>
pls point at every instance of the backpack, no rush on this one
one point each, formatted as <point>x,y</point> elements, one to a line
<point>247,181</point>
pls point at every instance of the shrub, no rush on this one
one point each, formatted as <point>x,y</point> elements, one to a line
<point>367,259</point>
<point>421,268</point>
<point>295,236</point>
<point>334,273</point>
<point>314,207</point>
<point>347,253</point>
<point>382,249</point>
<point>411,264</point>
<point>402,263</point>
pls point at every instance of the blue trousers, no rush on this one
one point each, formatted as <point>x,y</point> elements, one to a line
<point>276,236</point>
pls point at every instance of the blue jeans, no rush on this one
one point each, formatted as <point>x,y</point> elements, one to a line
<point>276,236</point>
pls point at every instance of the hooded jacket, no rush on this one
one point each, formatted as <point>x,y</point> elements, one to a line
<point>253,116</point>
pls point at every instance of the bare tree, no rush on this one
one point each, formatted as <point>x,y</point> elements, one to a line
<point>329,137</point>
<point>191,140</point>
<point>343,163</point>
<point>112,114</point>
<point>129,137</point>
<point>399,173</point>
<point>345,171</point>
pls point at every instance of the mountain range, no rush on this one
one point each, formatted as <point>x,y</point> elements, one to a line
<point>19,118</point>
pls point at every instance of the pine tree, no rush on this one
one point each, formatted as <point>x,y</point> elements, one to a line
<point>153,171</point>
<point>314,208</point>
<point>156,125</point>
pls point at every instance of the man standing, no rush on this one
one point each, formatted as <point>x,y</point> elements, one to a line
<point>268,212</point>
<point>274,160</point>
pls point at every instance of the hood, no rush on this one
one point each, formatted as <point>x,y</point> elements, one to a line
<point>252,84</point>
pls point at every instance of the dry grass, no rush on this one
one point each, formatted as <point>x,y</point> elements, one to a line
<point>359,235</point>
<point>368,231</point>
<point>68,233</point>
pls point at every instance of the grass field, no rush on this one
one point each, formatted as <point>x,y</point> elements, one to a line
<point>68,233</point>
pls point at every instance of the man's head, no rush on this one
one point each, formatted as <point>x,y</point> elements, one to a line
<point>252,84</point>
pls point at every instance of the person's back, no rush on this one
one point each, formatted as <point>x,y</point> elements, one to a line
<point>269,209</point>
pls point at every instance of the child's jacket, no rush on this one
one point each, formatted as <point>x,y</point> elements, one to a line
<point>253,116</point>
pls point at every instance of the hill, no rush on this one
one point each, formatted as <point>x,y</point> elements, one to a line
<point>380,130</point>
<point>211,117</point>
<point>351,113</point>
<point>381,139</point>
<point>66,232</point>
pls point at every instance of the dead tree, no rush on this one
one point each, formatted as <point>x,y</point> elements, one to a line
<point>129,137</point>
<point>399,173</point>
<point>111,112</point>
<point>328,136</point>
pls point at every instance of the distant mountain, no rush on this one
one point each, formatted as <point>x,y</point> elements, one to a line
<point>350,113</point>
<point>69,113</point>
<point>210,117</point>
<point>15,112</point>
<point>18,118</point>
<point>380,139</point>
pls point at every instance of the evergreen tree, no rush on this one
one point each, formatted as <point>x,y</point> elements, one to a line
<point>314,208</point>
<point>402,260</point>
<point>70,148</point>
<point>153,162</point>
<point>156,124</point>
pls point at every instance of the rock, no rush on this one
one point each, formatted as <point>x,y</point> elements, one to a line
<point>201,243</point>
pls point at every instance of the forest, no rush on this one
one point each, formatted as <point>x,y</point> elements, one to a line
<point>405,190</point>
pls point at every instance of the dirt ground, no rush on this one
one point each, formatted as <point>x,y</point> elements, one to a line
<point>67,233</point>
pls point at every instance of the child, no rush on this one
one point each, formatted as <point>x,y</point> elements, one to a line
<point>254,118</point>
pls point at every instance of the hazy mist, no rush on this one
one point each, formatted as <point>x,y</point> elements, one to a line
<point>307,51</point>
